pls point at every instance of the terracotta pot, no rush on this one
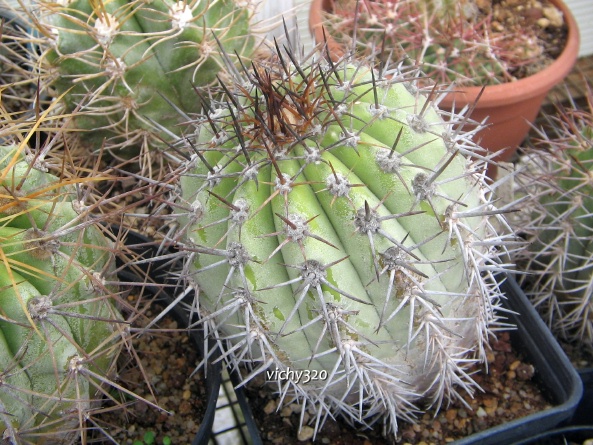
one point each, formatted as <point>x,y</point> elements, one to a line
<point>510,107</point>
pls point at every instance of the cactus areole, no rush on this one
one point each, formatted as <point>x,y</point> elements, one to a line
<point>339,239</point>
<point>58,328</point>
<point>123,63</point>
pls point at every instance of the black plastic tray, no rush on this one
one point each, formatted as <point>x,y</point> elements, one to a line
<point>555,374</point>
<point>584,412</point>
<point>561,436</point>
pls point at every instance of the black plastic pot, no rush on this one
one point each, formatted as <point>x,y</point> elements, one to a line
<point>584,412</point>
<point>164,288</point>
<point>577,434</point>
<point>555,375</point>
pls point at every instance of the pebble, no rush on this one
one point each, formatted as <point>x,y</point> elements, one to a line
<point>483,4</point>
<point>554,15</point>
<point>306,433</point>
<point>306,417</point>
<point>451,414</point>
<point>543,22</point>
<point>270,407</point>
<point>490,404</point>
<point>185,408</point>
<point>481,412</point>
<point>525,371</point>
<point>514,365</point>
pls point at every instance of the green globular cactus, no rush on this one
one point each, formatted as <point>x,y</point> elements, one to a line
<point>556,176</point>
<point>340,240</point>
<point>59,328</point>
<point>121,64</point>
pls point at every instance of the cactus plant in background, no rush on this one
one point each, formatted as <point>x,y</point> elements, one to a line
<point>461,41</point>
<point>16,85</point>
<point>556,174</point>
<point>123,63</point>
<point>59,327</point>
<point>340,239</point>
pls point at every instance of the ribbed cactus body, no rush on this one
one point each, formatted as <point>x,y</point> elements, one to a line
<point>335,230</point>
<point>556,177</point>
<point>122,63</point>
<point>57,325</point>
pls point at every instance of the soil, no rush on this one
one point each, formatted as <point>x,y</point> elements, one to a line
<point>509,392</point>
<point>581,357</point>
<point>167,377</point>
<point>514,16</point>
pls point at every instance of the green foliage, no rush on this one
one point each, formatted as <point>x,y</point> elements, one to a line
<point>150,439</point>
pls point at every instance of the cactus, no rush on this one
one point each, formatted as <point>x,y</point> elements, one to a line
<point>59,329</point>
<point>340,239</point>
<point>16,84</point>
<point>459,41</point>
<point>122,63</point>
<point>555,175</point>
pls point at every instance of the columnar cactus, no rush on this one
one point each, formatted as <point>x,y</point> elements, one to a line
<point>59,328</point>
<point>122,63</point>
<point>340,240</point>
<point>556,174</point>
